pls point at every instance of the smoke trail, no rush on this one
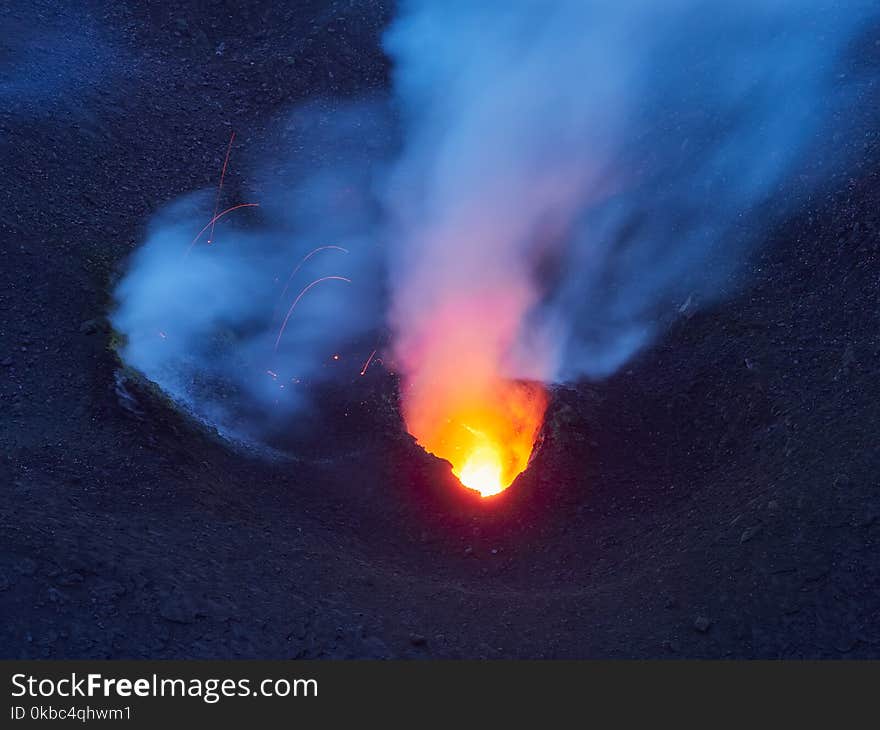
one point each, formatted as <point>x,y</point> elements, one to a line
<point>573,169</point>
<point>557,179</point>
<point>213,324</point>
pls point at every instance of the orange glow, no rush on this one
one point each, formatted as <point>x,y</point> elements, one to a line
<point>458,404</point>
<point>482,471</point>
<point>220,186</point>
<point>487,439</point>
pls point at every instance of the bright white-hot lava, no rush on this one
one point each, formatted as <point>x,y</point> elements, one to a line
<point>456,399</point>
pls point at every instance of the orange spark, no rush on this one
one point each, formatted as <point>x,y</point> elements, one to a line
<point>300,296</point>
<point>367,363</point>
<point>215,219</point>
<point>220,186</point>
<point>300,264</point>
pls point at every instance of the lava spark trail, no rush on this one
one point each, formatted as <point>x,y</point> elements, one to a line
<point>213,220</point>
<point>367,363</point>
<point>300,296</point>
<point>300,264</point>
<point>220,186</point>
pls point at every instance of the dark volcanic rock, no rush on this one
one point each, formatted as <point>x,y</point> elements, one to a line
<point>128,531</point>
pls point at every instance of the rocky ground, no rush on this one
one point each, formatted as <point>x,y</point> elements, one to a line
<point>718,498</point>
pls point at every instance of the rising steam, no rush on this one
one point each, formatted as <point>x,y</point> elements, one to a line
<point>214,324</point>
<point>561,177</point>
<point>595,162</point>
<point>572,169</point>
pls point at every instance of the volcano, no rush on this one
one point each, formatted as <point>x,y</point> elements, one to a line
<point>709,492</point>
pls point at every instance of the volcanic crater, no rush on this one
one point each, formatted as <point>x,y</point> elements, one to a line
<point>715,497</point>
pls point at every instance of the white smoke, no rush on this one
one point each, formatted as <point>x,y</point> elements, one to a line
<point>208,321</point>
<point>602,161</point>
<point>563,174</point>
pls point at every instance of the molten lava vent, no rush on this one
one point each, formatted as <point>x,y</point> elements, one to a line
<point>536,198</point>
<point>487,435</point>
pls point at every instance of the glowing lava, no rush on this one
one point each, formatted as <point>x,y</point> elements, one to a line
<point>457,398</point>
<point>487,437</point>
<point>482,471</point>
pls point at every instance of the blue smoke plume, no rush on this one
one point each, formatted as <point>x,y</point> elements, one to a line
<point>593,164</point>
<point>611,159</point>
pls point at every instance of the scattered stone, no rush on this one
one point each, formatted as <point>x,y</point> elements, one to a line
<point>177,608</point>
<point>417,640</point>
<point>56,596</point>
<point>91,326</point>
<point>6,362</point>
<point>689,307</point>
<point>773,505</point>
<point>702,624</point>
<point>70,579</point>
<point>26,566</point>
<point>849,357</point>
<point>375,648</point>
<point>670,646</point>
<point>749,533</point>
<point>670,602</point>
<point>124,396</point>
<point>106,591</point>
<point>49,638</point>
<point>5,582</point>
